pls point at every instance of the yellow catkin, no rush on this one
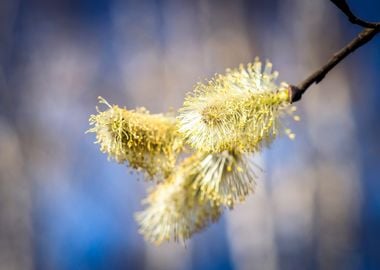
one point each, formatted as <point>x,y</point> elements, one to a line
<point>193,196</point>
<point>226,178</point>
<point>149,142</point>
<point>176,210</point>
<point>236,111</point>
<point>223,121</point>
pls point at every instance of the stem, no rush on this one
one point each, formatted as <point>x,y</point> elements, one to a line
<point>316,77</point>
<point>343,6</point>
<point>365,36</point>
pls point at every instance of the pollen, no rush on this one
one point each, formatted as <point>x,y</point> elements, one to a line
<point>201,157</point>
<point>238,110</point>
<point>176,210</point>
<point>148,142</point>
<point>226,178</point>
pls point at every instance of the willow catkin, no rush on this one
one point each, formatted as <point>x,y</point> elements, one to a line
<point>176,208</point>
<point>222,122</point>
<point>240,110</point>
<point>227,177</point>
<point>149,142</point>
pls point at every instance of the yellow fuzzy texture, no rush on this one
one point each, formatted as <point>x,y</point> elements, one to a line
<point>149,142</point>
<point>236,111</point>
<point>176,208</point>
<point>226,178</point>
<point>193,196</point>
<point>221,122</point>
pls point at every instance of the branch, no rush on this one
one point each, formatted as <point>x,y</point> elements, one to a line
<point>343,6</point>
<point>365,36</point>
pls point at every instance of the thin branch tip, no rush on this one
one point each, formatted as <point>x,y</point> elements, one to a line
<point>345,8</point>
<point>370,30</point>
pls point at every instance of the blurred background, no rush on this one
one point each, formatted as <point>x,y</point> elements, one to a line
<point>64,206</point>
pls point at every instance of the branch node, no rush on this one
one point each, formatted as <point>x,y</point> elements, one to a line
<point>295,93</point>
<point>370,30</point>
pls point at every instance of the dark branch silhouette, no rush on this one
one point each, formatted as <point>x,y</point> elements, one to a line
<point>365,36</point>
<point>343,6</point>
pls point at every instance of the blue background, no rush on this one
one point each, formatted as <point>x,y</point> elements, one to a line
<point>76,208</point>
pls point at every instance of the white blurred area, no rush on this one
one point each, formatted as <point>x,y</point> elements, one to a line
<point>308,197</point>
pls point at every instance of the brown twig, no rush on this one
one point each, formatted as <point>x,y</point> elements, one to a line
<point>365,36</point>
<point>343,6</point>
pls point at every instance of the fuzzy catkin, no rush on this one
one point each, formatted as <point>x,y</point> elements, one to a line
<point>149,142</point>
<point>236,111</point>
<point>176,208</point>
<point>221,123</point>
